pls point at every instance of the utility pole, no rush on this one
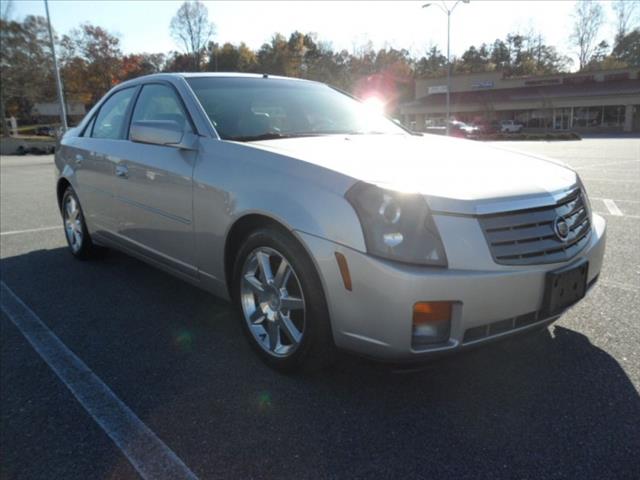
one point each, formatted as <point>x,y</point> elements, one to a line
<point>449,70</point>
<point>63,110</point>
<point>448,11</point>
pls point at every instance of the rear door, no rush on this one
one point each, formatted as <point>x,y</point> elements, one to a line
<point>155,186</point>
<point>94,156</point>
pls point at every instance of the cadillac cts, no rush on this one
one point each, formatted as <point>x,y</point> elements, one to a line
<point>326,224</point>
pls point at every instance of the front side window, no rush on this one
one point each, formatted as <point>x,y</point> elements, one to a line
<point>160,102</point>
<point>245,109</point>
<point>110,120</point>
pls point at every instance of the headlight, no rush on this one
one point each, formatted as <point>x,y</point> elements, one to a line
<point>397,226</point>
<point>585,197</point>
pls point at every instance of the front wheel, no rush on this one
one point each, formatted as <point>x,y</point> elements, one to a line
<point>280,299</point>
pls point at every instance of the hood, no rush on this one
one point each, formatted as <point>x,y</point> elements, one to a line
<point>456,175</point>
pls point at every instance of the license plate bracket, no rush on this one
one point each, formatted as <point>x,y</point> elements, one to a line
<point>565,287</point>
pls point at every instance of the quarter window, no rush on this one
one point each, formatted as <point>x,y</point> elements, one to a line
<point>160,103</point>
<point>110,120</point>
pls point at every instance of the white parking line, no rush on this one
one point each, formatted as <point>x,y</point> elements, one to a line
<point>622,201</point>
<point>608,180</point>
<point>147,453</point>
<point>601,165</point>
<point>30,230</point>
<point>612,207</point>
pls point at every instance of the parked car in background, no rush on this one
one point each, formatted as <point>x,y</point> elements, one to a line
<point>488,127</point>
<point>457,129</point>
<point>462,130</point>
<point>45,131</point>
<point>325,224</point>
<point>510,126</point>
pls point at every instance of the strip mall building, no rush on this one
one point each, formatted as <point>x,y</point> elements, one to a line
<point>606,101</point>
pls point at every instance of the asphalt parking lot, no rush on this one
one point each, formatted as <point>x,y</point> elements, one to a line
<point>562,403</point>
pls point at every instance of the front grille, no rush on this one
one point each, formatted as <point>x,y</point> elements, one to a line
<point>527,237</point>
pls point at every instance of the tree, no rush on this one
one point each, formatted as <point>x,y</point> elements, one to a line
<point>433,63</point>
<point>7,9</point>
<point>475,60</point>
<point>91,62</point>
<point>588,18</point>
<point>25,65</point>
<point>191,28</point>
<point>500,55</point>
<point>179,62</point>
<point>627,49</point>
<point>626,12</point>
<point>138,64</point>
<point>274,58</point>
<point>230,58</point>
<point>599,57</point>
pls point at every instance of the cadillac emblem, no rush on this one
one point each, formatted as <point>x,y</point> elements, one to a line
<point>561,229</point>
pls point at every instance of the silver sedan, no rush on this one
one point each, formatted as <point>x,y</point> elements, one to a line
<point>326,224</point>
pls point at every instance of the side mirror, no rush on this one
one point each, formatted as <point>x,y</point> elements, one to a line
<point>162,132</point>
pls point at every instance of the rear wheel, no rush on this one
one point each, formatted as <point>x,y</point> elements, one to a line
<point>75,228</point>
<point>280,299</point>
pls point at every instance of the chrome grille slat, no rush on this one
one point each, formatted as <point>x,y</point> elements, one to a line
<point>518,220</point>
<point>527,237</point>
<point>550,244</point>
<point>520,234</point>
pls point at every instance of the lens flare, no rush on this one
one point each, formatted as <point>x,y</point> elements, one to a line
<point>264,401</point>
<point>374,105</point>
<point>184,341</point>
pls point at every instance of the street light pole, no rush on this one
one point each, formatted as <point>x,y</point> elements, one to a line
<point>63,110</point>
<point>449,70</point>
<point>448,11</point>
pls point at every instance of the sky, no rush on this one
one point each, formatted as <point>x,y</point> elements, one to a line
<point>143,26</point>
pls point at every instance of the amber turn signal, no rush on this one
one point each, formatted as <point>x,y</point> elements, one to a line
<point>430,312</point>
<point>344,270</point>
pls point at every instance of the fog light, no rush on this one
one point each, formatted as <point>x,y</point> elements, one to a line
<point>431,322</point>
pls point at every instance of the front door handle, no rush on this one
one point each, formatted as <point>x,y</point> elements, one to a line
<point>79,159</point>
<point>122,171</point>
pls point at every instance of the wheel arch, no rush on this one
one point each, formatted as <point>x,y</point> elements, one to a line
<point>241,228</point>
<point>238,231</point>
<point>61,186</point>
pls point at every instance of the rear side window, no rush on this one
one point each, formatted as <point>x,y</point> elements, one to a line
<point>110,120</point>
<point>160,103</point>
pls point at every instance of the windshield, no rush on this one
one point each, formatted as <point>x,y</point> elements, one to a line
<point>246,109</point>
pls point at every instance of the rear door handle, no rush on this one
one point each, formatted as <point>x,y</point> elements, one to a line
<point>79,159</point>
<point>122,171</point>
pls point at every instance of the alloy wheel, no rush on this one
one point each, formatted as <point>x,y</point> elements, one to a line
<point>73,223</point>
<point>272,303</point>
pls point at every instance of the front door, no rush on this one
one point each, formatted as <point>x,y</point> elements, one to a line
<point>155,186</point>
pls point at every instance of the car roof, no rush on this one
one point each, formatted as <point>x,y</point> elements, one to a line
<point>174,76</point>
<point>217,75</point>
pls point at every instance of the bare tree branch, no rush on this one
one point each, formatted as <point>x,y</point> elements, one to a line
<point>627,12</point>
<point>588,18</point>
<point>191,28</point>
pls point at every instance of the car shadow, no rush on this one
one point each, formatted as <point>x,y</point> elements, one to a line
<point>549,404</point>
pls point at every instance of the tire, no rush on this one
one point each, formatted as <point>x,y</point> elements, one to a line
<point>75,228</point>
<point>279,308</point>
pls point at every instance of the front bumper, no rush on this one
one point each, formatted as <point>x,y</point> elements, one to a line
<point>492,301</point>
